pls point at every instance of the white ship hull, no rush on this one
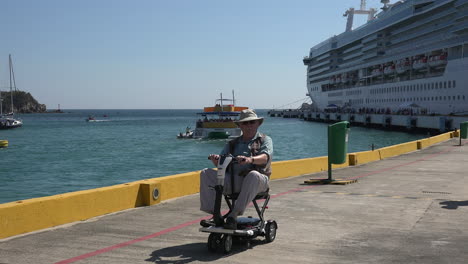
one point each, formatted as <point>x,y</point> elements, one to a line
<point>431,36</point>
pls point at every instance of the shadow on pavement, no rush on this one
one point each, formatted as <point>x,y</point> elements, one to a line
<point>196,252</point>
<point>453,204</point>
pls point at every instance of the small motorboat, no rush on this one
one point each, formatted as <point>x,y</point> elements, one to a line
<point>9,122</point>
<point>90,119</point>
<point>188,133</point>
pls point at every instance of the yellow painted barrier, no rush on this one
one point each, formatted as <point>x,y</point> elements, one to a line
<point>396,150</point>
<point>363,157</point>
<point>440,138</point>
<point>423,143</point>
<point>174,186</point>
<point>288,168</point>
<point>39,213</point>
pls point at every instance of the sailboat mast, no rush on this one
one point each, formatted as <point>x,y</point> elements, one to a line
<point>221,95</point>
<point>12,80</point>
<point>233,99</point>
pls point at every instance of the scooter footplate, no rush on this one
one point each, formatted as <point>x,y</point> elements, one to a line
<point>221,230</point>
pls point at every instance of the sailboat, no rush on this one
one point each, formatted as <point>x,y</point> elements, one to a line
<point>8,120</point>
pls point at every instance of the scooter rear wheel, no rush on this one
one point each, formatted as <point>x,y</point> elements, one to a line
<point>214,240</point>
<point>270,231</point>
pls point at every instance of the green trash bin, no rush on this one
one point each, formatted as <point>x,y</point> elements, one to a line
<point>464,130</point>
<point>338,142</point>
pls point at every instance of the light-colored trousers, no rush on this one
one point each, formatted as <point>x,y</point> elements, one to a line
<point>247,187</point>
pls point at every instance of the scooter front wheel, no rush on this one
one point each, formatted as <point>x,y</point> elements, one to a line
<point>227,243</point>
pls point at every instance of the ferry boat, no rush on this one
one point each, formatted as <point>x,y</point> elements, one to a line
<point>218,121</point>
<point>411,53</point>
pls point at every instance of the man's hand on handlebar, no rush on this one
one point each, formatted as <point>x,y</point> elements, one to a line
<point>244,160</point>
<point>214,158</point>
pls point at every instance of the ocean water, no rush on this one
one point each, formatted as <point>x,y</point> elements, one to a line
<point>57,153</point>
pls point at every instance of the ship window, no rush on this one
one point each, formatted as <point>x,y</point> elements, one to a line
<point>440,85</point>
<point>437,85</point>
<point>445,84</point>
<point>458,98</point>
<point>449,84</point>
<point>454,84</point>
<point>432,86</point>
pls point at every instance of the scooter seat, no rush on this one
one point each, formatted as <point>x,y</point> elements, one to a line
<point>260,195</point>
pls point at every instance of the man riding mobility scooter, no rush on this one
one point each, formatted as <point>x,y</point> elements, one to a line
<point>247,227</point>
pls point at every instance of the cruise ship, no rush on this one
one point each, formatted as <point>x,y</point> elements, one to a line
<point>409,54</point>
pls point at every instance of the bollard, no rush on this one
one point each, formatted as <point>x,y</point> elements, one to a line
<point>463,130</point>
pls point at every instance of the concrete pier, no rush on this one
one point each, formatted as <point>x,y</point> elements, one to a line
<point>430,123</point>
<point>411,208</point>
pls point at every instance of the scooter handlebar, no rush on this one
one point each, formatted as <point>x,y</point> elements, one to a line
<point>217,158</point>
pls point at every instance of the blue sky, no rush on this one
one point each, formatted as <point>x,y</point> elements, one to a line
<point>171,54</point>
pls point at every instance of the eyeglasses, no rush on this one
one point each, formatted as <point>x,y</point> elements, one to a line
<point>251,122</point>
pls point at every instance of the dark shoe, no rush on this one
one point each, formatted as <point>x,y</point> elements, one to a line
<point>231,223</point>
<point>207,222</point>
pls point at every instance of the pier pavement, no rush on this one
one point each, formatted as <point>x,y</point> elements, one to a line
<point>411,208</point>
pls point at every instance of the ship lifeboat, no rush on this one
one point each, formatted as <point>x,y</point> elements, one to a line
<point>376,71</point>
<point>420,63</point>
<point>338,79</point>
<point>389,69</point>
<point>402,66</point>
<point>344,78</point>
<point>437,60</point>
